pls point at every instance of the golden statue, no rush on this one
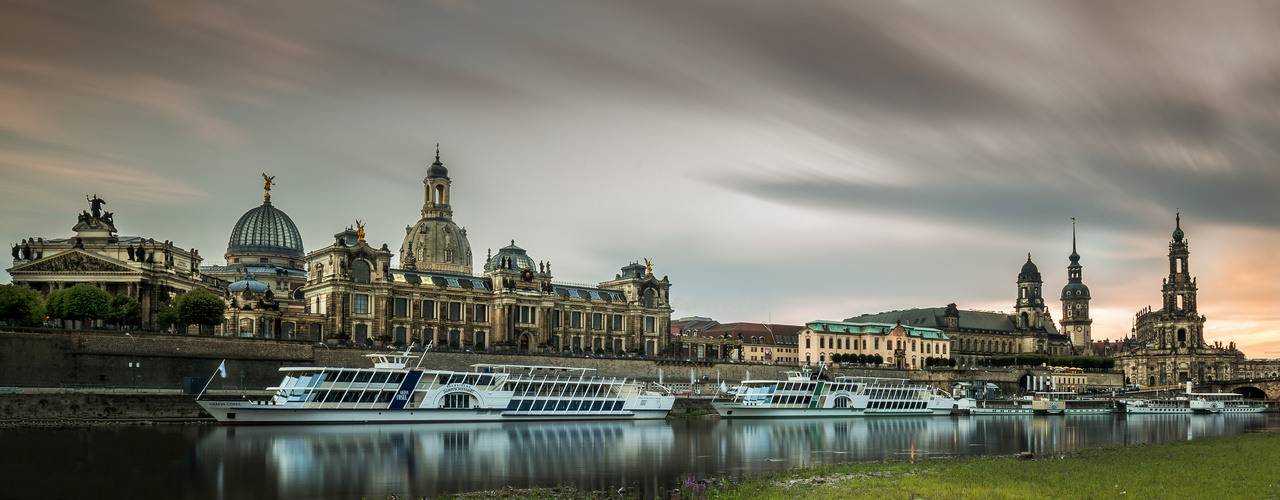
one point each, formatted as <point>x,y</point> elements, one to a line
<point>359,230</point>
<point>270,181</point>
<point>648,267</point>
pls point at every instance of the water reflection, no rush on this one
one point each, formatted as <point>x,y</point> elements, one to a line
<point>350,462</point>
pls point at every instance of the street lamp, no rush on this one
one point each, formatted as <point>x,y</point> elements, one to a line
<point>134,364</point>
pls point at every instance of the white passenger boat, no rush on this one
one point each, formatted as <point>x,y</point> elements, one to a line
<point>1044,403</point>
<point>1196,402</point>
<point>391,392</point>
<point>800,396</point>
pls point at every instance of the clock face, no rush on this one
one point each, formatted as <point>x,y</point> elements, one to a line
<point>1079,328</point>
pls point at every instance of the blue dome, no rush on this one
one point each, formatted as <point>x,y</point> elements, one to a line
<point>1029,271</point>
<point>248,283</point>
<point>265,230</point>
<point>519,259</point>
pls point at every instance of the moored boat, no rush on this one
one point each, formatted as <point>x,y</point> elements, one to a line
<point>800,395</point>
<point>1196,402</point>
<point>391,392</point>
<point>1044,403</point>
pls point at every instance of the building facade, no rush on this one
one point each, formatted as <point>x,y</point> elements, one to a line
<point>150,271</point>
<point>1168,346</point>
<point>900,346</point>
<point>433,298</point>
<point>979,334</point>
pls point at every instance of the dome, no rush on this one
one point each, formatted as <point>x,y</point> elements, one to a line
<point>1075,291</point>
<point>437,169</point>
<point>265,230</point>
<point>1029,271</point>
<point>436,244</point>
<point>248,283</point>
<point>1177,231</point>
<point>519,259</point>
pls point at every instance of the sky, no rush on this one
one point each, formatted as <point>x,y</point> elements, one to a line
<point>779,161</point>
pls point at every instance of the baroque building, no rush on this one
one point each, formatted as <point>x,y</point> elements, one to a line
<point>433,298</point>
<point>1168,346</point>
<point>979,334</point>
<point>150,271</point>
<point>900,346</point>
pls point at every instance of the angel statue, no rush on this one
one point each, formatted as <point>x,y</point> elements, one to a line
<point>270,181</point>
<point>648,267</point>
<point>359,230</point>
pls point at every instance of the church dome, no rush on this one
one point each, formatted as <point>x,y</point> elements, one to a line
<point>437,169</point>
<point>265,230</point>
<point>1029,271</point>
<point>1075,291</point>
<point>518,258</point>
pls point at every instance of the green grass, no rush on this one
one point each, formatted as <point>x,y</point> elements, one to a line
<point>1242,466</point>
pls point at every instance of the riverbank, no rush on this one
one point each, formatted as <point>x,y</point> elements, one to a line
<point>1239,466</point>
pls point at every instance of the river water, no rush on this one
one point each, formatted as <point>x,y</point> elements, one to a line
<point>357,461</point>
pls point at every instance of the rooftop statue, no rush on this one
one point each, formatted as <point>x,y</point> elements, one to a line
<point>95,205</point>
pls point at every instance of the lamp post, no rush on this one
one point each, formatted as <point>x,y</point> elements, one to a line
<point>134,364</point>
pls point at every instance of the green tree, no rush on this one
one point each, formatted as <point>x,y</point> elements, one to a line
<point>21,305</point>
<point>125,310</point>
<point>82,301</point>
<point>877,359</point>
<point>166,315</point>
<point>199,307</point>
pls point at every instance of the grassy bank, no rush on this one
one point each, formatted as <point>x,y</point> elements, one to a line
<point>1243,466</point>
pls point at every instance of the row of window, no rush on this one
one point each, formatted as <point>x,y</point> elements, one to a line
<point>839,343</point>
<point>564,405</point>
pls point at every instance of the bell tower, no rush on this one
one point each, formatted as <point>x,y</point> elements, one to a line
<point>1180,296</point>
<point>1075,302</point>
<point>1030,304</point>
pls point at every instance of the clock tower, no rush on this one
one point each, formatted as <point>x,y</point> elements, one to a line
<point>1075,303</point>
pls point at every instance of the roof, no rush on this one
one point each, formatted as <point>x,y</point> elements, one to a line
<point>447,280</point>
<point>256,270</point>
<point>869,328</point>
<point>931,317</point>
<point>265,229</point>
<point>771,334</point>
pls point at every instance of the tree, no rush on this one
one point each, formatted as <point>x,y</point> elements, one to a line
<point>877,359</point>
<point>82,301</point>
<point>125,310</point>
<point>20,305</point>
<point>199,307</point>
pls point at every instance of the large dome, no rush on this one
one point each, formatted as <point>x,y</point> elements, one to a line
<point>265,230</point>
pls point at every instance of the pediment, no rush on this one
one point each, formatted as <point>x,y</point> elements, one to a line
<point>74,261</point>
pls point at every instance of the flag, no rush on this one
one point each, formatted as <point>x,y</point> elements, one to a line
<point>222,368</point>
<point>724,387</point>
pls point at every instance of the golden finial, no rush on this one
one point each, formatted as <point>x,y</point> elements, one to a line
<point>270,181</point>
<point>359,230</point>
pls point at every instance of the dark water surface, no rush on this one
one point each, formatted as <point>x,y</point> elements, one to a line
<point>354,461</point>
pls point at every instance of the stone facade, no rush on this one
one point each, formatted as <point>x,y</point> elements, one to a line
<point>900,346</point>
<point>148,270</point>
<point>1168,346</point>
<point>979,334</point>
<point>432,298</point>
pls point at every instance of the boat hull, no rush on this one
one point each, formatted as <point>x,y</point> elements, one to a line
<point>247,413</point>
<point>732,410</point>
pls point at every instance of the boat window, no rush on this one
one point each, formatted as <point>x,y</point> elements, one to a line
<point>363,377</point>
<point>537,405</point>
<point>333,397</point>
<point>595,405</point>
<point>513,405</point>
<point>386,396</point>
<point>380,378</point>
<point>396,378</point>
<point>526,404</point>
<point>369,397</point>
<point>484,380</point>
<point>562,406</point>
<point>351,397</point>
<point>345,377</point>
<point>573,405</point>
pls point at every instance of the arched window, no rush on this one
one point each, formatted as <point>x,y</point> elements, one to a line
<point>360,271</point>
<point>649,298</point>
<point>362,333</point>
<point>1182,335</point>
<point>808,343</point>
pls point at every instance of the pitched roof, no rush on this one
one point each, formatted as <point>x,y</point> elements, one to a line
<point>932,317</point>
